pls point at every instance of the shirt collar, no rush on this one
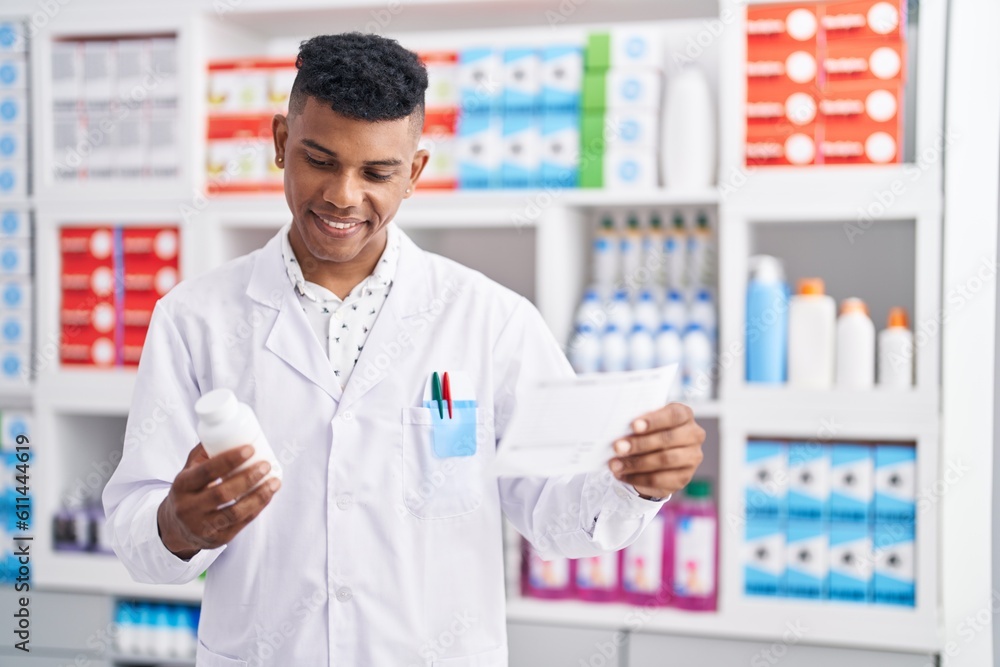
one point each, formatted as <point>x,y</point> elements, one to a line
<point>381,277</point>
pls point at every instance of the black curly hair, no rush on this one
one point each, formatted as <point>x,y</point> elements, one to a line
<point>364,77</point>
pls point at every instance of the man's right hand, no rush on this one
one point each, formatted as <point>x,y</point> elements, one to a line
<point>191,518</point>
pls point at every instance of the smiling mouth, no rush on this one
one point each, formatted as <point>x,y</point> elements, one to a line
<point>338,223</point>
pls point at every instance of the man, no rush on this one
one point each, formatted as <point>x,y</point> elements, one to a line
<point>380,542</point>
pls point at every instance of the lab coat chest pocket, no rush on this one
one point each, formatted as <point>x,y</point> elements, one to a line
<point>439,487</point>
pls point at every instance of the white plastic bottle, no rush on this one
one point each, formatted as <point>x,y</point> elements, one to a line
<point>585,350</point>
<point>653,259</point>
<point>855,346</point>
<point>895,352</point>
<point>702,312</point>
<point>163,636</point>
<point>688,132</point>
<point>606,254</point>
<point>225,423</point>
<point>699,241</point>
<point>675,249</point>
<point>614,350</point>
<point>619,311</point>
<point>697,363</point>
<point>631,251</point>
<point>641,349</point>
<point>675,310</point>
<point>646,311</point>
<point>812,326</point>
<point>670,350</point>
<point>591,310</point>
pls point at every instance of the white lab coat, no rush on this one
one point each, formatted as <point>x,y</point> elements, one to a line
<point>374,552</point>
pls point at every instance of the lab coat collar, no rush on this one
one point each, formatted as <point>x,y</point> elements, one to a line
<point>292,340</point>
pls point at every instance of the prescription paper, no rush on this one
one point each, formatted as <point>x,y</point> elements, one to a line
<point>567,427</point>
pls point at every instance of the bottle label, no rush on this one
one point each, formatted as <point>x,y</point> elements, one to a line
<point>694,556</point>
<point>597,572</point>
<point>643,571</point>
<point>548,574</point>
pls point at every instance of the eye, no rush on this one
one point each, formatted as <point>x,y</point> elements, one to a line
<point>375,176</point>
<point>316,163</point>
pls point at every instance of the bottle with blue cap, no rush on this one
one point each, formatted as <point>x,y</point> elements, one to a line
<point>646,311</point>
<point>614,350</point>
<point>631,250</point>
<point>127,620</point>
<point>670,350</point>
<point>591,310</point>
<point>675,249</point>
<point>697,363</point>
<point>163,635</point>
<point>620,311</point>
<point>702,312</point>
<point>585,350</point>
<point>606,253</point>
<point>675,312</point>
<point>641,349</point>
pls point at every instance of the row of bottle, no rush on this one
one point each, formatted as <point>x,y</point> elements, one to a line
<point>651,254</point>
<point>79,526</point>
<point>674,562</point>
<point>801,340</point>
<point>639,333</point>
<point>157,630</point>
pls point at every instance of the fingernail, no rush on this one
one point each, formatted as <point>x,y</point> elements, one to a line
<point>263,468</point>
<point>246,452</point>
<point>616,466</point>
<point>274,483</point>
<point>622,446</point>
<point>640,425</point>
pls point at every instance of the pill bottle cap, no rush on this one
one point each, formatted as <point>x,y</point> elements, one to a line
<point>216,406</point>
<point>853,305</point>
<point>898,318</point>
<point>812,286</point>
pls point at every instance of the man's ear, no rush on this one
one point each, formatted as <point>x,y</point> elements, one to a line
<point>279,130</point>
<point>416,168</point>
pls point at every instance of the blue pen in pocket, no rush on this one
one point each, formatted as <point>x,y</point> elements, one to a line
<point>454,436</point>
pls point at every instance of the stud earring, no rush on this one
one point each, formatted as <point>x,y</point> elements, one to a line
<point>280,160</point>
<point>407,190</point>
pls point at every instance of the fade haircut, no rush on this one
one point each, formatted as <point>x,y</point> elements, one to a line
<point>363,77</point>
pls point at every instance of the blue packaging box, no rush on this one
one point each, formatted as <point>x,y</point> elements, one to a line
<point>522,86</point>
<point>560,149</point>
<point>766,480</point>
<point>851,562</point>
<point>895,483</point>
<point>479,150</point>
<point>852,482</point>
<point>808,481</point>
<point>895,564</point>
<point>808,566</point>
<point>764,558</point>
<point>521,166</point>
<point>562,77</point>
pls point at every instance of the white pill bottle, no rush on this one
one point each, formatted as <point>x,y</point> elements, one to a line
<point>224,423</point>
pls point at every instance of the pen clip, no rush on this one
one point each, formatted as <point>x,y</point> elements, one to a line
<point>447,394</point>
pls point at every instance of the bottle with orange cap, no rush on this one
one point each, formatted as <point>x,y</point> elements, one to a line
<point>895,352</point>
<point>812,316</point>
<point>855,346</point>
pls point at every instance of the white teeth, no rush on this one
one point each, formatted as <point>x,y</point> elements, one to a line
<point>338,225</point>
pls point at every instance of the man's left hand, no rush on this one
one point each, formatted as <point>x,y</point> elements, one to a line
<point>663,452</point>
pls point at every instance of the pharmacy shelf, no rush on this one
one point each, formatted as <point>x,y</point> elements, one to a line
<point>823,623</point>
<point>302,16</point>
<point>88,391</point>
<point>98,573</point>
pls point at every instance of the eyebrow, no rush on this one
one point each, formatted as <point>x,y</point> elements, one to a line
<point>389,162</point>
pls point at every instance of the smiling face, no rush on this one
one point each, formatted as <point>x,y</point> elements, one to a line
<point>344,182</point>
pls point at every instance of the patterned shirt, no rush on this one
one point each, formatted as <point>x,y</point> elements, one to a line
<point>342,326</point>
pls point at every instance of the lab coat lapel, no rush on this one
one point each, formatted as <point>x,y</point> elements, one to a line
<point>291,337</point>
<point>391,337</point>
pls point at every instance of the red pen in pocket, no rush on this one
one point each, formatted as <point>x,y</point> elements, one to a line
<point>447,394</point>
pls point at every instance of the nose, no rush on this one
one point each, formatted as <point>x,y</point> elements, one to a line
<point>344,191</point>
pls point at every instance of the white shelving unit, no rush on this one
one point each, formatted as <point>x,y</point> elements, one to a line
<point>555,226</point>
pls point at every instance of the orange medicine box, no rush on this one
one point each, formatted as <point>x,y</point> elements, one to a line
<point>846,144</point>
<point>863,18</point>
<point>789,25</point>
<point>774,62</point>
<point>781,144</point>
<point>770,102</point>
<point>863,106</point>
<point>86,346</point>
<point>858,59</point>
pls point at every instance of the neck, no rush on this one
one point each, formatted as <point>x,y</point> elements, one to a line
<point>338,277</point>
